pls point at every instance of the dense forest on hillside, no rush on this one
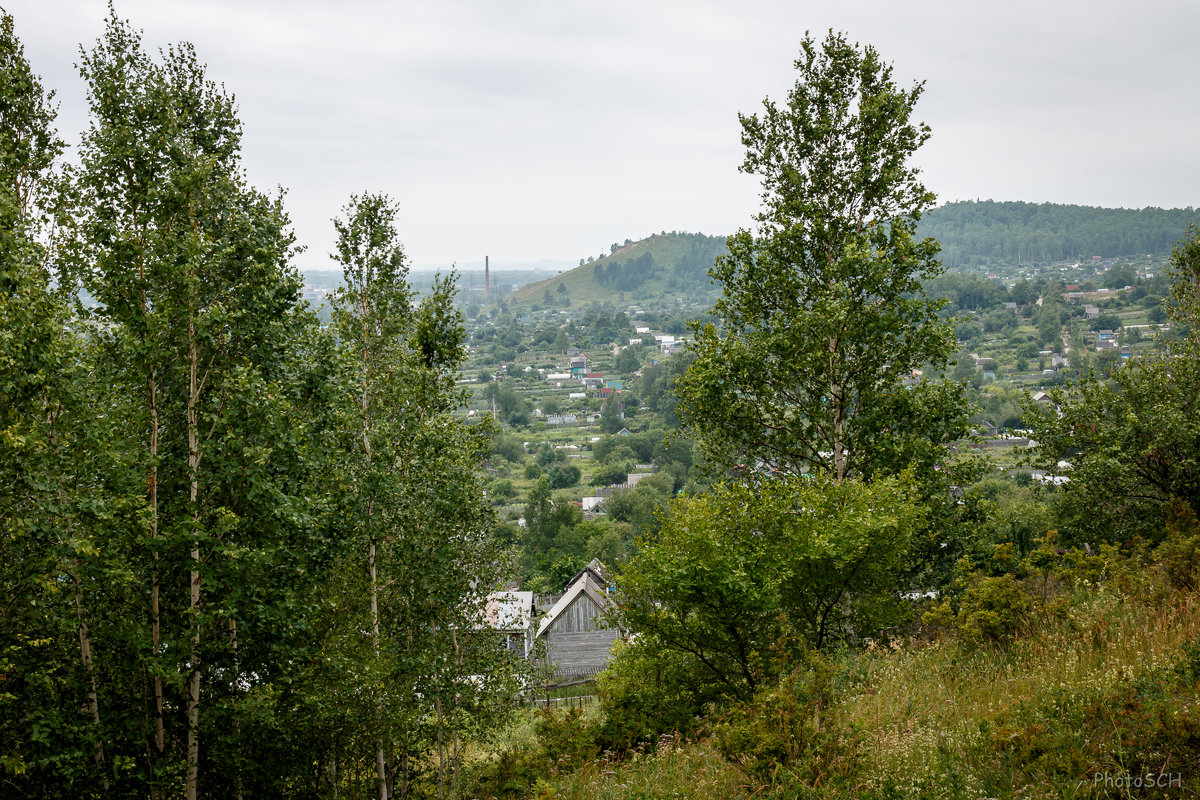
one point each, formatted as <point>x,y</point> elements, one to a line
<point>668,263</point>
<point>971,234</point>
<point>988,231</point>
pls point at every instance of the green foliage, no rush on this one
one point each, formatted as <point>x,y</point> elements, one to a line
<point>1133,441</point>
<point>612,475</point>
<point>643,506</point>
<point>628,360</point>
<point>671,262</point>
<point>1106,321</point>
<point>190,474</point>
<point>611,414</point>
<point>646,692</point>
<point>964,292</point>
<point>562,476</point>
<point>197,330</point>
<point>510,406</point>
<point>501,490</point>
<point>547,455</point>
<point>823,315</point>
<point>737,579</point>
<point>1178,555</point>
<point>993,609</point>
<point>790,733</point>
<point>509,446</point>
<point>991,232</point>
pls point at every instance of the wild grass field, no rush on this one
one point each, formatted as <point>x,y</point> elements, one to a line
<point>1096,693</point>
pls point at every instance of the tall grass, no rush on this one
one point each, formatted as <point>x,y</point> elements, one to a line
<point>927,711</point>
<point>671,771</point>
<point>1093,688</point>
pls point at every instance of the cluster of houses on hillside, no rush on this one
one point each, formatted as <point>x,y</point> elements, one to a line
<point>593,384</point>
<point>570,628</point>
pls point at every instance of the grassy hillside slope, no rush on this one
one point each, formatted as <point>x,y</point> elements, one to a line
<point>662,265</point>
<point>1096,694</point>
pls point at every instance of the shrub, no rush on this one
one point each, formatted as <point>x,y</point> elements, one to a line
<point>561,476</point>
<point>645,693</point>
<point>611,476</point>
<point>791,731</point>
<point>1179,553</point>
<point>561,742</point>
<point>990,608</point>
<point>994,609</point>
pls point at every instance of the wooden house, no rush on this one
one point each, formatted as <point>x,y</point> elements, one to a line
<point>576,636</point>
<point>512,614</point>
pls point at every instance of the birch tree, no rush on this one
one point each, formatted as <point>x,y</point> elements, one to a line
<point>823,320</point>
<point>190,270</point>
<point>412,499</point>
<point>46,554</point>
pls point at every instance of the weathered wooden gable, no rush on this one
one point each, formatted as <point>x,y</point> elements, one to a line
<point>581,616</point>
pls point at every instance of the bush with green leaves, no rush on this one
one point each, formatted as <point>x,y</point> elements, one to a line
<point>741,579</point>
<point>1178,555</point>
<point>791,732</point>
<point>611,476</point>
<point>562,476</point>
<point>646,692</point>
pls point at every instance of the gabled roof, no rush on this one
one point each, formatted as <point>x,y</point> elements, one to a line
<point>592,580</point>
<point>586,586</point>
<point>599,574</point>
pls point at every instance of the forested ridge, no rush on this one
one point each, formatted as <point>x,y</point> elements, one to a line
<point>980,232</point>
<point>971,233</point>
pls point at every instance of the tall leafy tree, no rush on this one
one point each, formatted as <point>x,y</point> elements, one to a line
<point>47,551</point>
<point>412,501</point>
<point>823,321</point>
<point>196,312</point>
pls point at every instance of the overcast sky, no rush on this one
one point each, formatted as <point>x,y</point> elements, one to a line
<point>529,130</point>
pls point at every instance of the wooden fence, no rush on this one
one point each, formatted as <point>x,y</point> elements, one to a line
<point>558,692</point>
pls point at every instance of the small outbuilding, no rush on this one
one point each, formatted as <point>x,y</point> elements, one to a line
<point>577,637</point>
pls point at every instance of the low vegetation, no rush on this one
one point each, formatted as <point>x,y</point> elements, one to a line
<point>1093,685</point>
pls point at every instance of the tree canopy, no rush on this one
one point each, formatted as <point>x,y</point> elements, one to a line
<point>740,579</point>
<point>823,319</point>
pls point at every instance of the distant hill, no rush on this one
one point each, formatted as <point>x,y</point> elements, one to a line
<point>972,233</point>
<point>661,265</point>
<point>975,233</point>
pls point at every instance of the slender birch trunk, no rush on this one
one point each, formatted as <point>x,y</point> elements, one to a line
<point>85,654</point>
<point>193,699</point>
<point>85,642</point>
<point>372,568</point>
<point>837,407</point>
<point>155,609</point>
<point>404,771</point>
<point>152,501</point>
<point>437,704</point>
<point>457,669</point>
<point>237,718</point>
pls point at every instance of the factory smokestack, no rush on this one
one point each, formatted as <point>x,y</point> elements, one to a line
<point>487,281</point>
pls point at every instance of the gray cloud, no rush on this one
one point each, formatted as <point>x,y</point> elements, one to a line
<point>531,129</point>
